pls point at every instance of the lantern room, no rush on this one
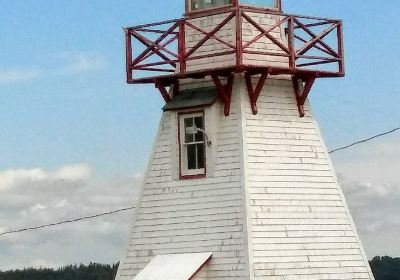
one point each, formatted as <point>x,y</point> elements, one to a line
<point>194,6</point>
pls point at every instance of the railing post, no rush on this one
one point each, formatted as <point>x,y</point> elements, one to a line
<point>292,51</point>
<point>340,47</point>
<point>182,46</point>
<point>128,56</point>
<point>239,38</point>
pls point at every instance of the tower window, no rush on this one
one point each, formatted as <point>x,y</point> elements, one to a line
<point>260,3</point>
<point>207,4</point>
<point>192,145</point>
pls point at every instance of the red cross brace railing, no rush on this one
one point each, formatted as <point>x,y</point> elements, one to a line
<point>311,48</point>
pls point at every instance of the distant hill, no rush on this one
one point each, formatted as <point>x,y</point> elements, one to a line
<point>384,268</point>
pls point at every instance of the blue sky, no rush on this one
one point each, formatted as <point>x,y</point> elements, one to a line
<point>60,115</point>
<point>64,102</point>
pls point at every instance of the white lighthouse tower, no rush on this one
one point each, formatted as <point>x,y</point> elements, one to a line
<point>239,184</point>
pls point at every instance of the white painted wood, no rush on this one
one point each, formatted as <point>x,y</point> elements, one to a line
<point>301,226</point>
<point>227,33</point>
<point>193,216</point>
<point>270,206</point>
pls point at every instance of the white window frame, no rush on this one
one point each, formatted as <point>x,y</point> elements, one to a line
<point>185,172</point>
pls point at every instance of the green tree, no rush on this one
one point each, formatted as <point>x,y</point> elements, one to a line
<point>92,271</point>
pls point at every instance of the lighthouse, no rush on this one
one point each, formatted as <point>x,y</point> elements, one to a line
<point>239,184</point>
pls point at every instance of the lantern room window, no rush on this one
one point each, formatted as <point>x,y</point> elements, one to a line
<point>199,5</point>
<point>196,5</point>
<point>192,145</point>
<point>260,3</point>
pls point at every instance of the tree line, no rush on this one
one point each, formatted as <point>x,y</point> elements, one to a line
<point>92,271</point>
<point>384,268</point>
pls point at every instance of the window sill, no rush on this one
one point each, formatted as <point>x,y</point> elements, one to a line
<point>192,177</point>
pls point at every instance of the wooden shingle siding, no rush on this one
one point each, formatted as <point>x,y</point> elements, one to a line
<point>227,33</point>
<point>264,44</point>
<point>270,207</point>
<point>300,225</point>
<point>189,216</point>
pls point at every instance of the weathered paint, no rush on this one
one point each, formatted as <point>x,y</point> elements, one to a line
<point>270,207</point>
<point>228,34</point>
<point>299,225</point>
<point>201,215</point>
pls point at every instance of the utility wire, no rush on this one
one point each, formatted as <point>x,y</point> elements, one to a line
<point>364,140</point>
<point>133,207</point>
<point>68,221</point>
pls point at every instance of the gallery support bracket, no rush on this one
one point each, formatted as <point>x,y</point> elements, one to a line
<point>162,87</point>
<point>302,87</point>
<point>224,91</point>
<point>255,83</point>
<point>254,93</point>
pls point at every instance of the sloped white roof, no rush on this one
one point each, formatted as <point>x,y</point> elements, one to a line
<point>174,267</point>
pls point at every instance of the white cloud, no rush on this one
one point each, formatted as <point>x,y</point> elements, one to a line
<point>61,203</point>
<point>42,263</point>
<point>67,63</point>
<point>11,76</point>
<point>39,196</point>
<point>38,207</point>
<point>11,178</point>
<point>72,173</point>
<point>82,62</point>
<point>371,181</point>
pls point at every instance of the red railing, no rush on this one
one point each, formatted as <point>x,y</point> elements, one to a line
<point>309,45</point>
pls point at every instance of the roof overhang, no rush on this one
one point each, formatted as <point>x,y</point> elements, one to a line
<point>192,98</point>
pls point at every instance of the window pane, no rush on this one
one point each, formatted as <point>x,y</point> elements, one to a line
<point>200,156</point>
<point>191,157</point>
<point>198,121</point>
<point>188,123</point>
<point>206,4</point>
<point>259,3</point>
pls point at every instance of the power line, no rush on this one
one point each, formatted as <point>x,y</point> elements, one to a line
<point>68,221</point>
<point>133,207</point>
<point>365,140</point>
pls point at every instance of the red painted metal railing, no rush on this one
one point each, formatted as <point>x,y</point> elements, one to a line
<point>311,46</point>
